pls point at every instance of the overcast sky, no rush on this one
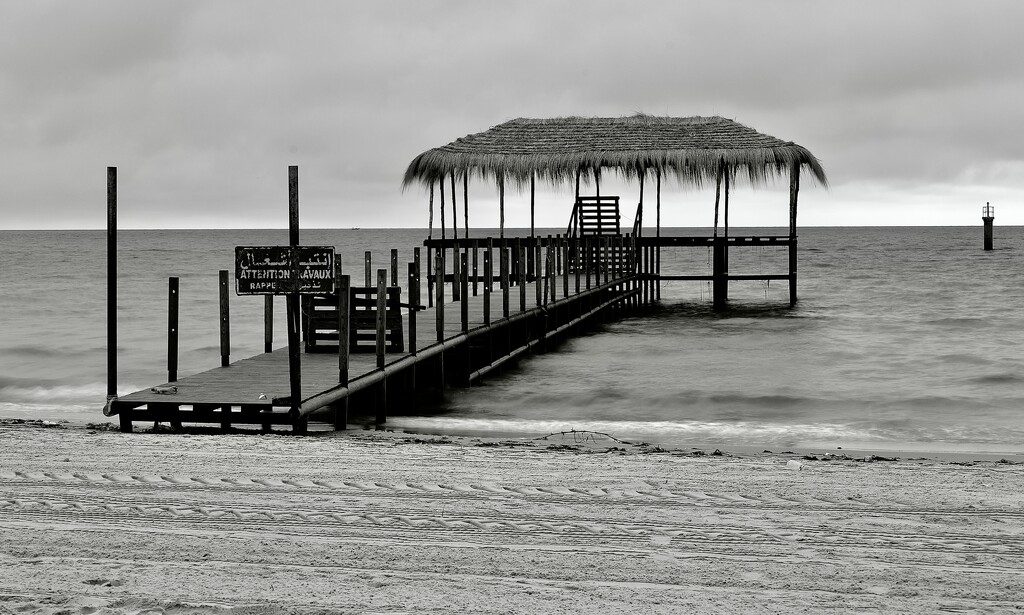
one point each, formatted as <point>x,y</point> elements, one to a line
<point>915,108</point>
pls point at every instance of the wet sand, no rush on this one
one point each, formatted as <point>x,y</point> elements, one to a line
<point>95,521</point>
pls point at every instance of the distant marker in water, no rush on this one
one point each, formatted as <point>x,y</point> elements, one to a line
<point>988,214</point>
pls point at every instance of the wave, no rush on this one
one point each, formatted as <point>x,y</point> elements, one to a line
<point>960,323</point>
<point>36,392</point>
<point>998,379</point>
<point>739,431</point>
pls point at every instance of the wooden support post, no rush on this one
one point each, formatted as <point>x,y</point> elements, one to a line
<point>503,268</point>
<point>657,233</point>
<point>606,261</point>
<point>440,183</point>
<point>533,195</point>
<point>794,190</point>
<point>558,253</point>
<point>368,269</point>
<point>414,301</point>
<point>225,324</point>
<point>430,219</point>
<point>725,224</point>
<point>172,329</point>
<point>439,315</point>
<point>649,289</point>
<point>464,284</point>
<point>342,284</point>
<point>416,262</point>
<point>476,266</point>
<point>456,277</point>
<point>430,277</point>
<point>537,274</point>
<point>125,416</point>
<point>720,280</point>
<point>585,262</point>
<point>394,267</point>
<point>578,260</point>
<point>521,252</point>
<point>488,275</point>
<point>268,323</point>
<point>530,259</point>
<point>439,299</point>
<point>382,310</point>
<point>550,269</point>
<point>563,246</point>
<point>515,266</point>
<point>455,216</point>
<point>465,204</point>
<point>342,287</point>
<point>549,275</point>
<point>490,256</point>
<point>294,313</point>
<point>501,209</point>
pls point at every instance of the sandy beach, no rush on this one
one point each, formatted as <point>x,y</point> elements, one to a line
<point>94,521</point>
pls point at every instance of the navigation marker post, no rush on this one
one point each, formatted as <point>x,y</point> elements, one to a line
<point>988,215</point>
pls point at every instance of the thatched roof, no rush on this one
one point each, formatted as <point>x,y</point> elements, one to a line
<point>688,148</point>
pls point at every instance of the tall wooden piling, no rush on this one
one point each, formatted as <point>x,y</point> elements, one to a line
<point>382,308</point>
<point>342,284</point>
<point>476,265</point>
<point>225,322</point>
<point>172,329</point>
<point>503,265</point>
<point>439,299</point>
<point>537,273</point>
<point>488,277</point>
<point>794,191</point>
<point>521,250</point>
<point>439,314</point>
<point>414,302</point>
<point>294,313</point>
<point>430,277</point>
<point>456,263</point>
<point>112,292</point>
<point>464,285</point>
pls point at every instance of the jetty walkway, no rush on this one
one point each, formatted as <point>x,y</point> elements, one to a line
<point>471,329</point>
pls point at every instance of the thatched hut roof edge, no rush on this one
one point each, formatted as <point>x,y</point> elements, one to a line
<point>556,149</point>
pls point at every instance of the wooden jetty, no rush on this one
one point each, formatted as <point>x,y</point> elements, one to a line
<point>499,316</point>
<point>488,300</point>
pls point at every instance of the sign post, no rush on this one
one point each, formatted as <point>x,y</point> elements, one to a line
<point>291,270</point>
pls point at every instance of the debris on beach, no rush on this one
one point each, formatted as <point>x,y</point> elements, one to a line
<point>34,423</point>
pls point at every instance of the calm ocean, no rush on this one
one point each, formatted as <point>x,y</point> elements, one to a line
<point>903,338</point>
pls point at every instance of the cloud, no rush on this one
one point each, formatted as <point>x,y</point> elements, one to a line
<point>202,106</point>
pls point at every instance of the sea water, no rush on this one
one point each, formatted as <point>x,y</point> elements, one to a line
<point>902,338</point>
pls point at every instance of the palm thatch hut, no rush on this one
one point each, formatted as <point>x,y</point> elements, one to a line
<point>694,150</point>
